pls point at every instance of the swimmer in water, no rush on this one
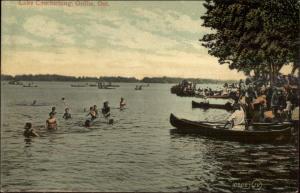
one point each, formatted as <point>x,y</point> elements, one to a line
<point>67,114</point>
<point>29,131</point>
<point>51,123</point>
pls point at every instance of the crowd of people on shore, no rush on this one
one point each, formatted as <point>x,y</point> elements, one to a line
<point>256,101</point>
<point>93,113</point>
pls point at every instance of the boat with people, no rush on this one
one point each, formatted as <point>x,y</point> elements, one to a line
<point>138,87</point>
<point>30,85</point>
<point>14,82</point>
<point>102,85</point>
<point>113,85</point>
<point>227,106</point>
<point>274,134</point>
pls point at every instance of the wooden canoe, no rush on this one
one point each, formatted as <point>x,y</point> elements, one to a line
<point>269,135</point>
<point>227,106</point>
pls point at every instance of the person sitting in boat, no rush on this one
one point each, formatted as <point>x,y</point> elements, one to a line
<point>205,100</point>
<point>225,90</point>
<point>51,123</point>
<point>122,103</point>
<point>29,131</point>
<point>92,113</point>
<point>53,111</point>
<point>106,109</point>
<point>237,119</point>
<point>67,114</point>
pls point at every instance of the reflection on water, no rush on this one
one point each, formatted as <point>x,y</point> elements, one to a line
<point>136,153</point>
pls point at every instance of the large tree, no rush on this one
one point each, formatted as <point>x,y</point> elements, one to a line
<point>259,35</point>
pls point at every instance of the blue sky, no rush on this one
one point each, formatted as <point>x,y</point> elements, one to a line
<point>121,39</point>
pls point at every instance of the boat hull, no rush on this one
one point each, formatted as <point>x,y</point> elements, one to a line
<point>267,136</point>
<point>202,105</point>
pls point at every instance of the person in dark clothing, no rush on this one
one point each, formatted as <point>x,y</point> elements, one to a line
<point>29,131</point>
<point>67,114</point>
<point>53,111</point>
<point>106,109</point>
<point>275,103</point>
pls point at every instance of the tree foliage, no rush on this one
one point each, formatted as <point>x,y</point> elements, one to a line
<point>259,35</point>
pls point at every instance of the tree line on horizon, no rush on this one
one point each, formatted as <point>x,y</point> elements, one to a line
<point>54,77</point>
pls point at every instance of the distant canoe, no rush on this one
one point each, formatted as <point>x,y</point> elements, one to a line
<point>227,106</point>
<point>113,85</point>
<point>257,136</point>
<point>33,86</point>
<point>77,85</point>
<point>106,87</point>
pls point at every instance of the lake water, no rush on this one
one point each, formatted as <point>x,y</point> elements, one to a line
<point>137,153</point>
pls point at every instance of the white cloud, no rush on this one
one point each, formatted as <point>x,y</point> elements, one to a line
<point>168,21</point>
<point>14,40</point>
<point>46,27</point>
<point>130,36</point>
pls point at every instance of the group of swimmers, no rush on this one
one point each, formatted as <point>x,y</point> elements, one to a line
<point>51,123</point>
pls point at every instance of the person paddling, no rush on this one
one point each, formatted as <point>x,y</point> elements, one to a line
<point>29,131</point>
<point>51,123</point>
<point>67,114</point>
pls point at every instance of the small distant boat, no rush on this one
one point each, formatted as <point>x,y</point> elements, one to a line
<point>14,82</point>
<point>92,85</point>
<point>30,85</point>
<point>102,85</point>
<point>33,86</point>
<point>78,85</point>
<point>113,85</point>
<point>138,87</point>
<point>270,134</point>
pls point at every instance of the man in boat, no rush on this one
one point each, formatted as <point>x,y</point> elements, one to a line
<point>29,131</point>
<point>53,111</point>
<point>237,119</point>
<point>67,114</point>
<point>205,100</point>
<point>122,103</point>
<point>106,109</point>
<point>51,123</point>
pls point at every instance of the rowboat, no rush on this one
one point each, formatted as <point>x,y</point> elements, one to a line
<point>270,135</point>
<point>227,106</point>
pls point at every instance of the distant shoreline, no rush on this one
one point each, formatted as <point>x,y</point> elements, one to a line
<point>55,77</point>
